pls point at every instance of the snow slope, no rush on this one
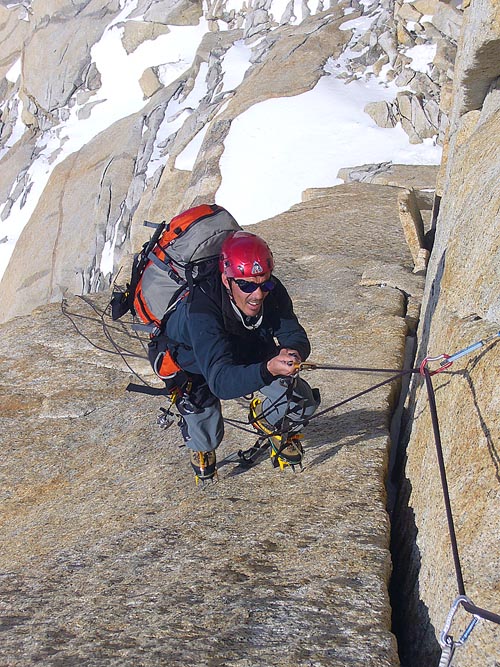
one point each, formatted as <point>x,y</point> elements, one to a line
<point>305,139</point>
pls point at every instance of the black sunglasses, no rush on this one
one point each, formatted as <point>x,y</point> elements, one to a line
<point>248,287</point>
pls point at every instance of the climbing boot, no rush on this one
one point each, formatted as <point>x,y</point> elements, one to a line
<point>204,465</point>
<point>288,453</point>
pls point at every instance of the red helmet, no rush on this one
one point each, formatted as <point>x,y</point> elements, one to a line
<point>244,255</point>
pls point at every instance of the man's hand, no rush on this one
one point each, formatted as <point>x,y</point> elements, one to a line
<point>285,363</point>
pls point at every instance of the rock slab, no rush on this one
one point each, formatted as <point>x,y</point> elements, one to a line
<point>111,555</point>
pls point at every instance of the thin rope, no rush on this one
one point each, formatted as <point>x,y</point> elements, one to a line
<point>365,391</point>
<point>468,606</point>
<point>123,353</point>
<point>444,482</point>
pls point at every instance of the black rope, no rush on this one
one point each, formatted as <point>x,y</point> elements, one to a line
<point>122,352</point>
<point>365,391</point>
<point>468,606</point>
<point>483,613</point>
<point>444,482</point>
<point>106,331</point>
<point>235,423</point>
<point>398,373</point>
<point>97,320</point>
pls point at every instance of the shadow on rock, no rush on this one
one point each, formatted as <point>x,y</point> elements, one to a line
<point>331,433</point>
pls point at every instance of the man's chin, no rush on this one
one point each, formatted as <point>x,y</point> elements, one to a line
<point>252,312</point>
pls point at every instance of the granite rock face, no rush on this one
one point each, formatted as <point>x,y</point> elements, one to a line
<point>66,248</point>
<point>50,75</point>
<point>461,307</point>
<point>86,242</point>
<point>111,554</point>
<point>56,59</point>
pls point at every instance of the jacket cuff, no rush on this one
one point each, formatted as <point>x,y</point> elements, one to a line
<point>266,375</point>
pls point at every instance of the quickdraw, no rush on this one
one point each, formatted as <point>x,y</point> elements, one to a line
<point>447,359</point>
<point>446,363</point>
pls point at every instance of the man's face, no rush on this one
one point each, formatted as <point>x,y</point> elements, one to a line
<point>249,304</point>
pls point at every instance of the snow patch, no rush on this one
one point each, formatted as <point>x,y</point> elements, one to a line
<point>422,57</point>
<point>14,72</point>
<point>236,63</point>
<point>280,147</point>
<point>360,25</point>
<point>187,158</point>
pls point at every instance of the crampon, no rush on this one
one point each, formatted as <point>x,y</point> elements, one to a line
<point>204,465</point>
<point>290,453</point>
<point>285,451</point>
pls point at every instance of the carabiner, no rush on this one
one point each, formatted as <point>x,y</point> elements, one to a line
<point>442,366</point>
<point>445,639</point>
<point>307,366</point>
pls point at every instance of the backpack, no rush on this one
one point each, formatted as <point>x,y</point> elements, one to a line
<point>178,256</point>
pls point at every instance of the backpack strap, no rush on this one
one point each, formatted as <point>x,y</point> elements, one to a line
<point>151,391</point>
<point>190,280</point>
<point>147,328</point>
<point>165,267</point>
<point>140,261</point>
<point>158,262</point>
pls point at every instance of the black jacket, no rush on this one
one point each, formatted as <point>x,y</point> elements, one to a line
<point>207,338</point>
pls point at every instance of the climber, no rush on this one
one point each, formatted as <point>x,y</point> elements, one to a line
<point>224,338</point>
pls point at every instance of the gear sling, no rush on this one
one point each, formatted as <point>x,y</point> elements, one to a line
<point>177,256</point>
